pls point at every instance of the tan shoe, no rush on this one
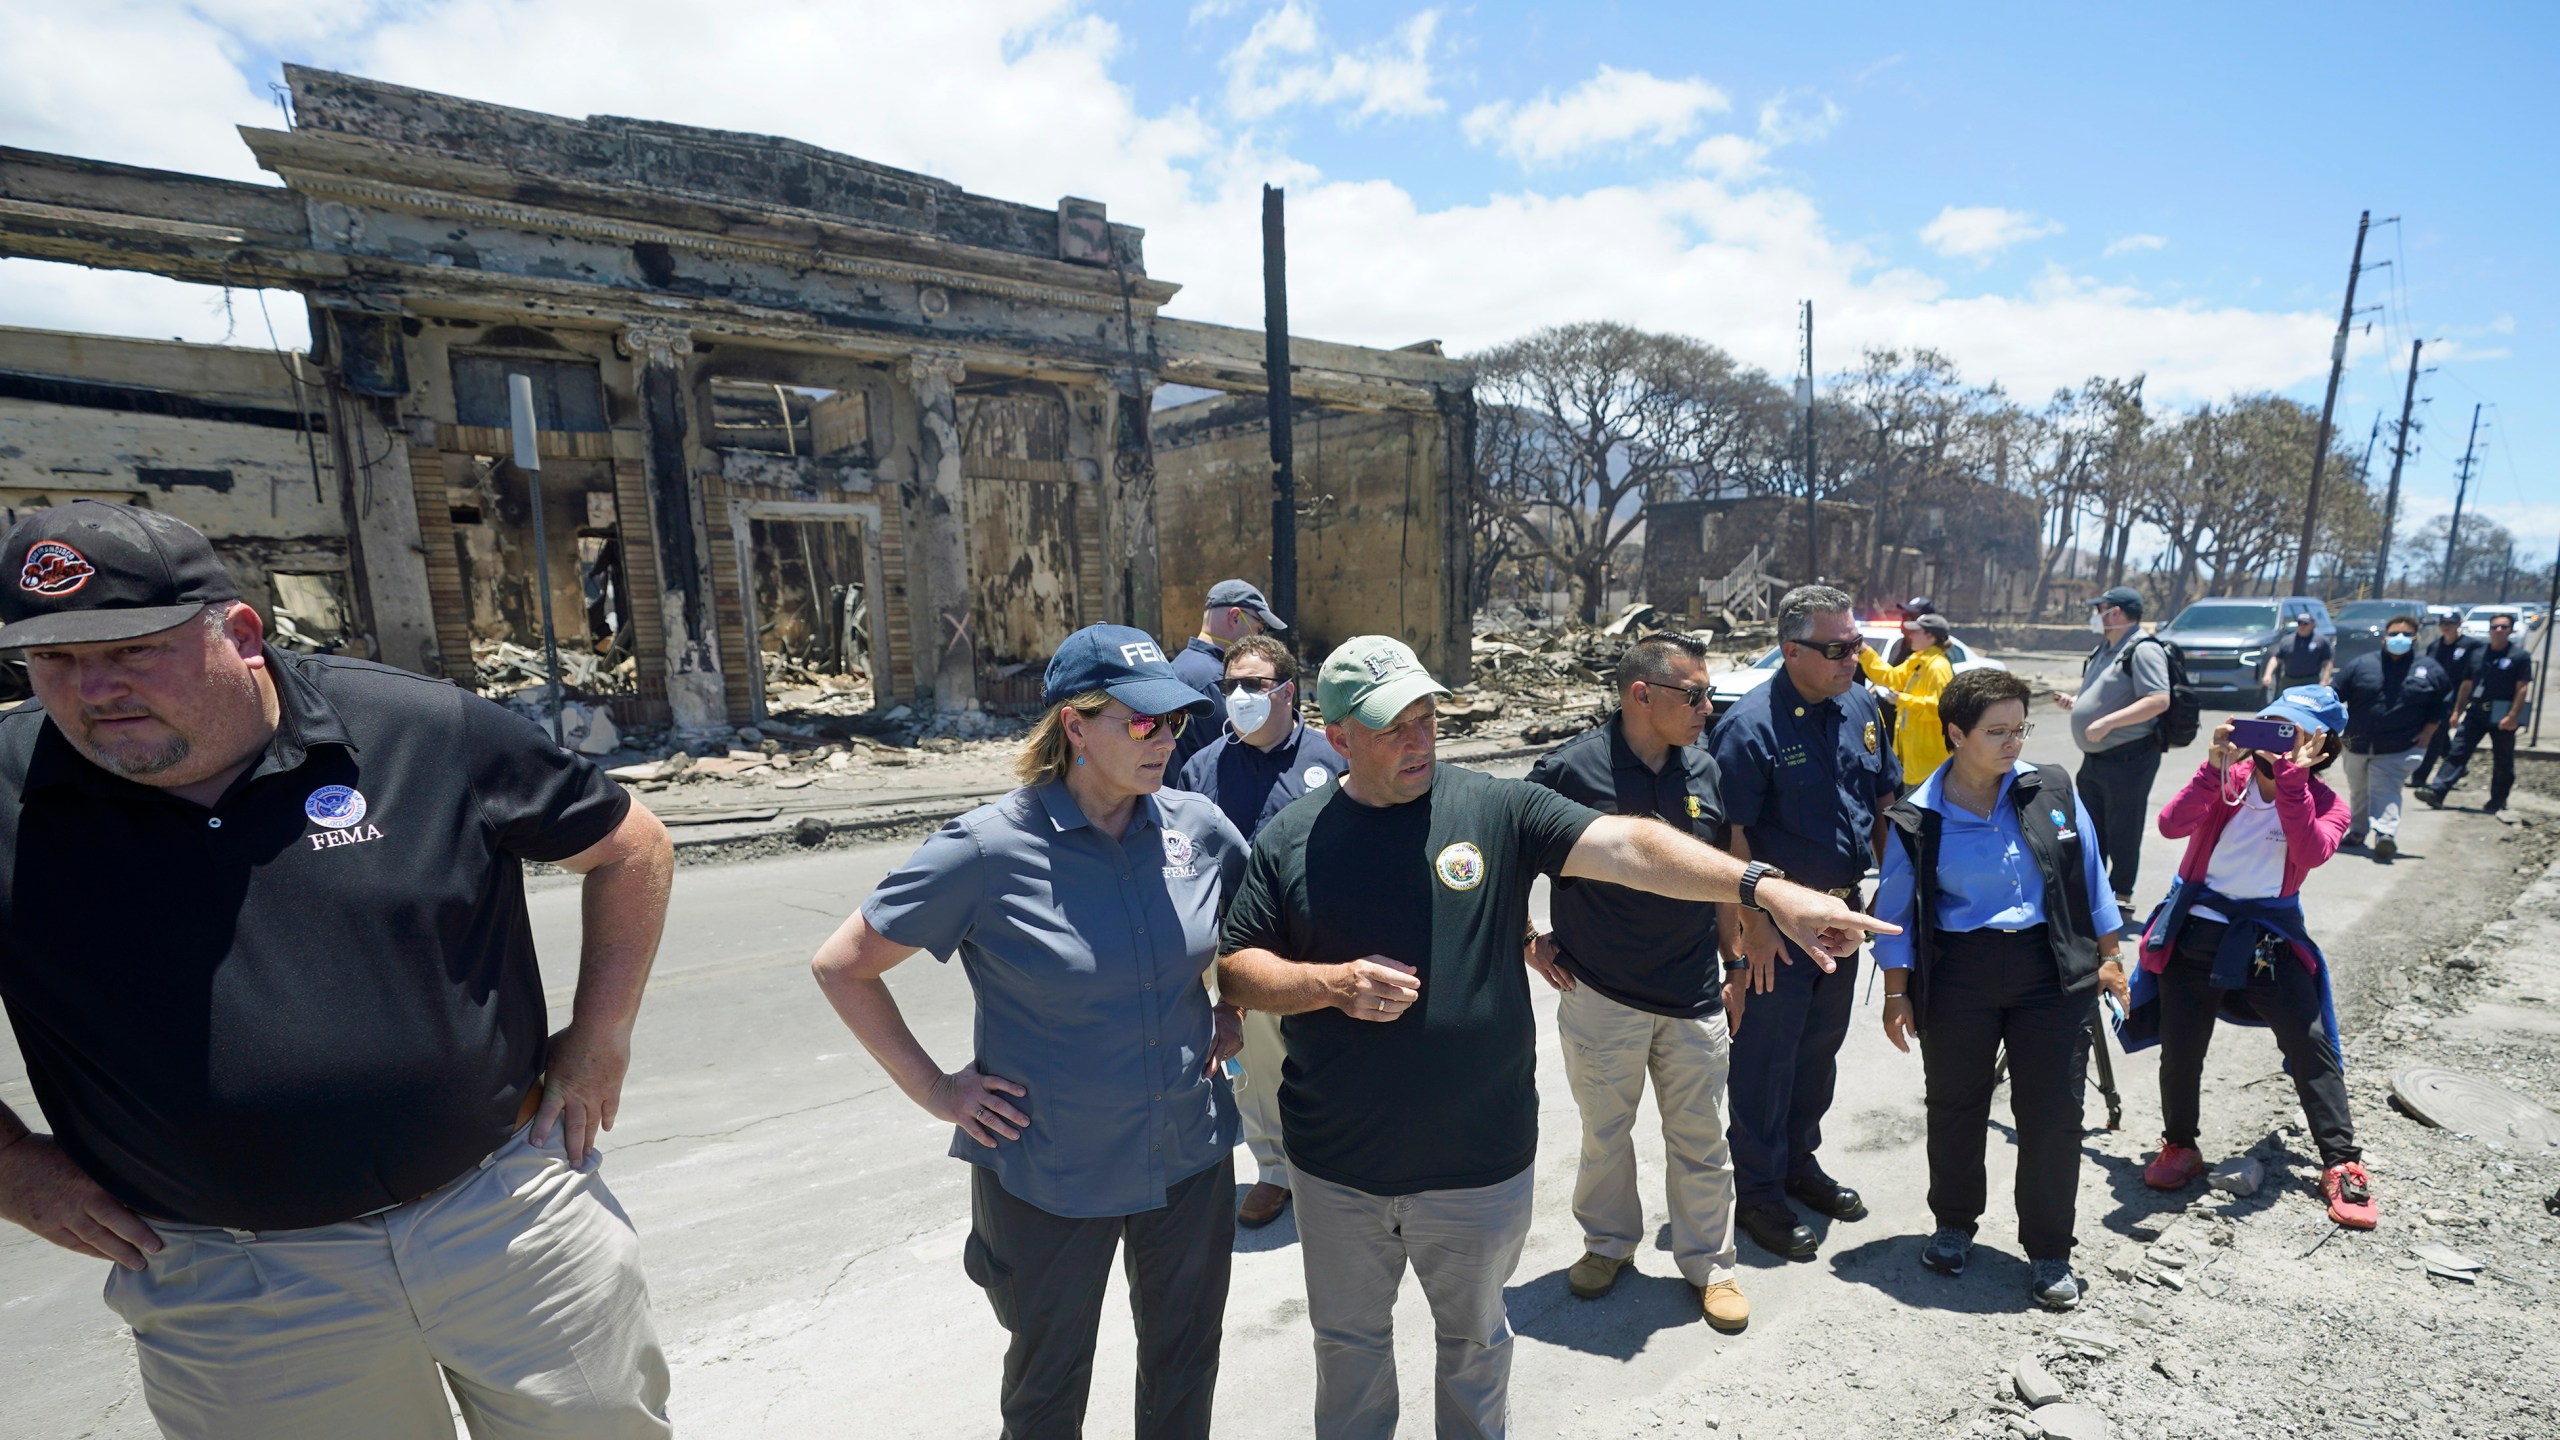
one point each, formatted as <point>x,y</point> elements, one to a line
<point>1262,1205</point>
<point>1592,1276</point>
<point>1726,1309</point>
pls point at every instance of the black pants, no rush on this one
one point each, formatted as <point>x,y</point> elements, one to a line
<point>2502,755</point>
<point>1786,1066</point>
<point>1045,1274</point>
<point>2116,786</point>
<point>2282,994</point>
<point>1987,989</point>
<point>2438,746</point>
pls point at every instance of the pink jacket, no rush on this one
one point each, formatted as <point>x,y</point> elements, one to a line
<point>2314,818</point>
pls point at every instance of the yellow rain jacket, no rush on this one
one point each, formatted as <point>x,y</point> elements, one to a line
<point>1919,739</point>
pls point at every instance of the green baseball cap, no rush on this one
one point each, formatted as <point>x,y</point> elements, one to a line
<point>1371,678</point>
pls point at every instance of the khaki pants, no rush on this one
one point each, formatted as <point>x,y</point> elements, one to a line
<point>1463,1244</point>
<point>1609,1050</point>
<point>1258,1096</point>
<point>2373,791</point>
<point>518,1284</point>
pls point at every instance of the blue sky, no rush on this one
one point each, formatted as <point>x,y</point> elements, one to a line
<point>2042,191</point>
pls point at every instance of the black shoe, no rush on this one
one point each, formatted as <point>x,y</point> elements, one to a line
<point>2493,807</point>
<point>1776,1229</point>
<point>2433,796</point>
<point>1826,1196</point>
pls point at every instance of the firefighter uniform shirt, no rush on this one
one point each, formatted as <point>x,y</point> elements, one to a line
<point>316,998</point>
<point>1444,1096</point>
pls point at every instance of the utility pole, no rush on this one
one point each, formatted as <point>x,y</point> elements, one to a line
<point>1804,407</point>
<point>2399,456</point>
<point>2550,622</point>
<point>2328,410</point>
<point>1275,368</point>
<point>2461,488</point>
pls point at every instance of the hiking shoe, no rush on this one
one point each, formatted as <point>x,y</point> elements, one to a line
<point>2350,1193</point>
<point>2385,848</point>
<point>2175,1168</point>
<point>1948,1250</point>
<point>1726,1309</point>
<point>1592,1276</point>
<point>2433,796</point>
<point>2053,1284</point>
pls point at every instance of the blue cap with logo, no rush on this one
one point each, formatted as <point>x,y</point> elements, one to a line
<point>2315,706</point>
<point>1123,663</point>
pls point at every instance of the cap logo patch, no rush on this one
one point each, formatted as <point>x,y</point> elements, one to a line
<point>1140,653</point>
<point>1384,664</point>
<point>1461,866</point>
<point>335,806</point>
<point>54,569</point>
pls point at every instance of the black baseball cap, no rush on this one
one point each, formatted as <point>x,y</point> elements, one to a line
<point>1917,606</point>
<point>91,571</point>
<point>1241,594</point>
<point>1124,663</point>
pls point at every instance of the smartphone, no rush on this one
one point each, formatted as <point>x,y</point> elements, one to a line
<point>2275,737</point>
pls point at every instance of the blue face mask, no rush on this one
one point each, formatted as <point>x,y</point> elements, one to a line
<point>2399,644</point>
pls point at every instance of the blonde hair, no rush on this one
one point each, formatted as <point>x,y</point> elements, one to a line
<point>1045,755</point>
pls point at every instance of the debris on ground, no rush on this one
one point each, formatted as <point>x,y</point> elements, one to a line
<point>1550,678</point>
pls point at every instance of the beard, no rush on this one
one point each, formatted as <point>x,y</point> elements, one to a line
<point>133,761</point>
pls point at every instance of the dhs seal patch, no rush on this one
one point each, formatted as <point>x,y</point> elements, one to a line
<point>336,806</point>
<point>1461,866</point>
<point>1178,853</point>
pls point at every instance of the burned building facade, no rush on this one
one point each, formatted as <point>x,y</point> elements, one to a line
<point>792,404</point>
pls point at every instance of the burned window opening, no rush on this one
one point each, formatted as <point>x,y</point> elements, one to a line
<point>770,418</point>
<point>813,634</point>
<point>566,393</point>
<point>589,584</point>
<point>310,611</point>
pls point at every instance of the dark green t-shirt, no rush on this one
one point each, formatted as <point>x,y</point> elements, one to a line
<point>1443,1097</point>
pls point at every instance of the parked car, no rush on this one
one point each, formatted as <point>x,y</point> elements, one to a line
<point>2360,625</point>
<point>2226,638</point>
<point>2475,621</point>
<point>1732,685</point>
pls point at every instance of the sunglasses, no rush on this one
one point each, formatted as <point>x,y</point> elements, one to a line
<point>1694,696</point>
<point>1831,649</point>
<point>1142,726</point>
<point>1257,684</point>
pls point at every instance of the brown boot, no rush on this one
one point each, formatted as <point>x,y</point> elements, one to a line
<point>1593,1276</point>
<point>1262,1205</point>
<point>1726,1309</point>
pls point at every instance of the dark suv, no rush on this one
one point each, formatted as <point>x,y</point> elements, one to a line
<point>2226,639</point>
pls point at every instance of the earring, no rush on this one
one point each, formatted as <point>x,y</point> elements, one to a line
<point>1079,759</point>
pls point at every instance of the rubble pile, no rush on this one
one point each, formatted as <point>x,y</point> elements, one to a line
<point>1552,677</point>
<point>505,668</point>
<point>792,687</point>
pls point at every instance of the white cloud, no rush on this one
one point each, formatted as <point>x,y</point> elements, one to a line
<point>1730,158</point>
<point>1023,99</point>
<point>1284,61</point>
<point>1613,108</point>
<point>1791,117</point>
<point>1978,232</point>
<point>2127,244</point>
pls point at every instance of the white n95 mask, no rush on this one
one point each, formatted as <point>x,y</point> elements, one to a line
<point>1247,711</point>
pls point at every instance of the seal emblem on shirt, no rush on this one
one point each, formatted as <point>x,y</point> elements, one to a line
<point>1461,866</point>
<point>1179,852</point>
<point>1316,775</point>
<point>54,569</point>
<point>1871,737</point>
<point>336,806</point>
<point>1697,808</point>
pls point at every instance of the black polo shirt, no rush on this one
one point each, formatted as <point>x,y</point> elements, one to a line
<point>315,998</point>
<point>1646,951</point>
<point>2460,660</point>
<point>2303,657</point>
<point>1805,779</point>
<point>2499,673</point>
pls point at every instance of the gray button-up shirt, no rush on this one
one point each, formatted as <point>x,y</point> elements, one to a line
<point>1087,956</point>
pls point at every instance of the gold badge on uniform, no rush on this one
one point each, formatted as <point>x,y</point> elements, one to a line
<point>1871,737</point>
<point>1697,808</point>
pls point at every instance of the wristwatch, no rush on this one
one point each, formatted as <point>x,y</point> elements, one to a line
<point>1752,875</point>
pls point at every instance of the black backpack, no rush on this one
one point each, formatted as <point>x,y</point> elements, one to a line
<point>2184,717</point>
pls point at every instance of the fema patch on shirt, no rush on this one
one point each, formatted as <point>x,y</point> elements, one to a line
<point>2062,826</point>
<point>336,806</point>
<point>1315,776</point>
<point>1179,853</point>
<point>1460,867</point>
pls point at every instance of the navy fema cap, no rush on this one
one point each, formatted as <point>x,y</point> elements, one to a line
<point>1244,597</point>
<point>1124,663</point>
<point>93,571</point>
<point>2124,597</point>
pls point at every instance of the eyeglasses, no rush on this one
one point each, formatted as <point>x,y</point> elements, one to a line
<point>2010,734</point>
<point>2502,625</point>
<point>1257,684</point>
<point>1831,649</point>
<point>1693,696</point>
<point>1142,726</point>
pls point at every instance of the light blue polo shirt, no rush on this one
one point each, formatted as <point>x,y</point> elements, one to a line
<point>1086,955</point>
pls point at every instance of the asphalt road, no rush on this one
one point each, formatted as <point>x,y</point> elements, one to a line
<point>802,1224</point>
